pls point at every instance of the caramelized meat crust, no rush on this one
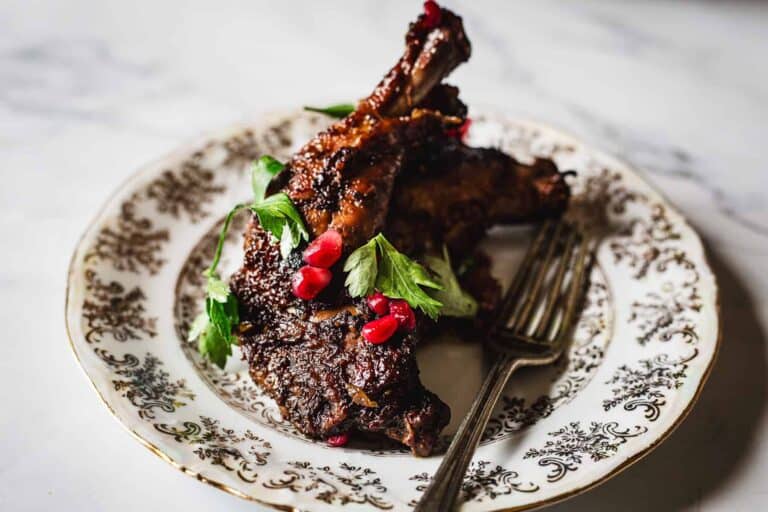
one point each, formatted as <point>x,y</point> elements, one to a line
<point>451,194</point>
<point>343,178</point>
<point>389,166</point>
<point>431,53</point>
<point>311,359</point>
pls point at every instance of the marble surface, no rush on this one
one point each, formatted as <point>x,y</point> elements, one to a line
<point>90,90</point>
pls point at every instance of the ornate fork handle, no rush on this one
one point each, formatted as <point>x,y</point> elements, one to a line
<point>442,493</point>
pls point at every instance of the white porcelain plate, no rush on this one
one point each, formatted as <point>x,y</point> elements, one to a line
<point>645,342</point>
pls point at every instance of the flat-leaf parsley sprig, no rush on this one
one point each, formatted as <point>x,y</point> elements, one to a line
<point>377,265</point>
<point>213,327</point>
<point>278,216</point>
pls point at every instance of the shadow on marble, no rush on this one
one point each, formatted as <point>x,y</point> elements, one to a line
<point>713,445</point>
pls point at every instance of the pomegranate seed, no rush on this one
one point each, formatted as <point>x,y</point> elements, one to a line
<point>461,132</point>
<point>402,311</point>
<point>464,128</point>
<point>378,303</point>
<point>339,440</point>
<point>324,250</point>
<point>380,330</point>
<point>308,281</point>
<point>432,14</point>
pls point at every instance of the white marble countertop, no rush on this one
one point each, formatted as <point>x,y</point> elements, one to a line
<point>90,90</point>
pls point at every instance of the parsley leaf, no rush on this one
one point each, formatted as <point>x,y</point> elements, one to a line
<point>213,328</point>
<point>216,340</point>
<point>456,301</point>
<point>217,289</point>
<point>199,325</point>
<point>394,274</point>
<point>262,172</point>
<point>278,216</point>
<point>362,267</point>
<point>338,111</point>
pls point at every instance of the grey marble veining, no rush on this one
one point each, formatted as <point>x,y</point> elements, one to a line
<point>90,90</point>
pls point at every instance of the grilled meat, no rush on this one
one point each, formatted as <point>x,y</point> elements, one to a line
<point>431,53</point>
<point>390,166</point>
<point>310,357</point>
<point>451,194</point>
<point>343,178</point>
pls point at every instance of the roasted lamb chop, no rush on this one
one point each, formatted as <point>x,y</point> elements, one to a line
<point>393,166</point>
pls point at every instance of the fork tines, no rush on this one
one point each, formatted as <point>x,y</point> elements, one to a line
<point>541,302</point>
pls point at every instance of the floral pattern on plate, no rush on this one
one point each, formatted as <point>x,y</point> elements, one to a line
<point>646,339</point>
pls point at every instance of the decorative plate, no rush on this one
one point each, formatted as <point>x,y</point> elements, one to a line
<point>645,342</point>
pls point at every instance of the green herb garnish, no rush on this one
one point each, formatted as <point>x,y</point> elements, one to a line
<point>278,216</point>
<point>392,273</point>
<point>362,266</point>
<point>338,111</point>
<point>262,172</point>
<point>213,327</point>
<point>456,301</point>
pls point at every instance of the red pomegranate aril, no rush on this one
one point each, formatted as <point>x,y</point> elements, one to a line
<point>325,250</point>
<point>460,133</point>
<point>380,330</point>
<point>464,128</point>
<point>378,303</point>
<point>401,310</point>
<point>338,440</point>
<point>432,14</point>
<point>308,281</point>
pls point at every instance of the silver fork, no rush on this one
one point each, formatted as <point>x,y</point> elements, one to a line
<point>532,324</point>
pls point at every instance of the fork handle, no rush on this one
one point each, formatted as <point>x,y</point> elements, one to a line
<point>442,492</point>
